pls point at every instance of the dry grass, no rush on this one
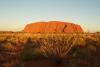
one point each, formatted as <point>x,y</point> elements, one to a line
<point>50,46</point>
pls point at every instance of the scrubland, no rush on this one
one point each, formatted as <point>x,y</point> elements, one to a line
<point>49,50</point>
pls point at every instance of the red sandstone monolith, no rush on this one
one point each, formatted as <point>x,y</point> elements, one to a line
<point>53,27</point>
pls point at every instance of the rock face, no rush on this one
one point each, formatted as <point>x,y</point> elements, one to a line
<point>53,27</point>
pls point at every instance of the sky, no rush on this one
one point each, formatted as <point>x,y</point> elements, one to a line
<point>15,14</point>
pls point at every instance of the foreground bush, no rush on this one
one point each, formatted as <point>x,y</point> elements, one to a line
<point>31,51</point>
<point>83,56</point>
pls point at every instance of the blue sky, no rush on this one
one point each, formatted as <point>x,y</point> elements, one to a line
<point>15,14</point>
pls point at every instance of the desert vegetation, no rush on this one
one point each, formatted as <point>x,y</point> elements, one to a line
<point>49,50</point>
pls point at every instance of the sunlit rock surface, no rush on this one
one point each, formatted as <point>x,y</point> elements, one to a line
<point>53,27</point>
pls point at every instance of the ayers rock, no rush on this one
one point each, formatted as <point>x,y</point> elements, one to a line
<point>53,27</point>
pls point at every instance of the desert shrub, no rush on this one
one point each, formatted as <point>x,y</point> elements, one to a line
<point>80,55</point>
<point>55,48</point>
<point>30,44</point>
<point>8,46</point>
<point>31,51</point>
<point>91,42</point>
<point>30,55</point>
